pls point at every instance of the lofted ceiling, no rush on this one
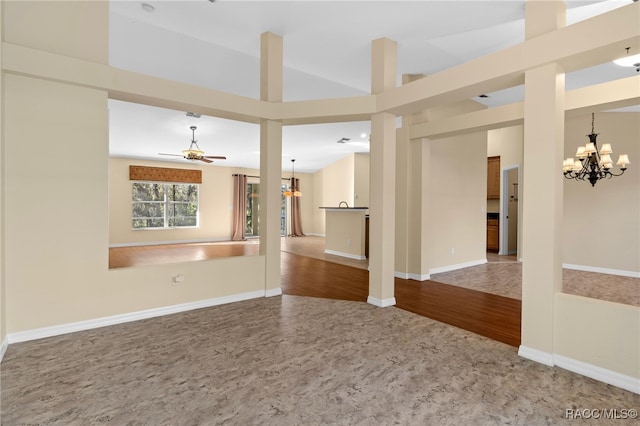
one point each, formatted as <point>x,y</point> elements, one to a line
<point>326,55</point>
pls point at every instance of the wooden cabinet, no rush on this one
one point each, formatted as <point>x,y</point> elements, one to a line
<point>493,178</point>
<point>493,235</point>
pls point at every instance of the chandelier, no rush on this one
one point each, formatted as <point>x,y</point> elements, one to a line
<point>592,165</point>
<point>293,189</point>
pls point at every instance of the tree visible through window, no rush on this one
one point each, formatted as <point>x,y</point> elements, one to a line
<point>164,205</point>
<point>252,228</point>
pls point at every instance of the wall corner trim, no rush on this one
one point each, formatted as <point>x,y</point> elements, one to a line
<point>4,346</point>
<point>381,303</point>
<point>419,277</point>
<point>536,355</point>
<point>273,292</point>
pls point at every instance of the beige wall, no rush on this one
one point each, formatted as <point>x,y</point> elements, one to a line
<point>446,183</point>
<point>599,333</point>
<point>215,208</point>
<point>361,180</point>
<point>56,204</point>
<point>215,196</point>
<point>602,223</point>
<point>331,185</point>
<point>345,180</point>
<point>79,29</point>
<point>457,198</point>
<point>57,218</point>
<point>346,232</point>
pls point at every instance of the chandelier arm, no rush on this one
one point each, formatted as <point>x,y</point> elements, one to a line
<point>614,174</point>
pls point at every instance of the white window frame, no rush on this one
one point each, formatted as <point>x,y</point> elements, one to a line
<point>166,205</point>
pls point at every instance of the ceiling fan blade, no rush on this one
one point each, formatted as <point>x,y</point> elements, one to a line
<point>215,157</point>
<point>205,160</point>
<point>173,155</point>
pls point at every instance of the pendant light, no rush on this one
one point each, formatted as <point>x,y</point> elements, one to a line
<point>292,190</point>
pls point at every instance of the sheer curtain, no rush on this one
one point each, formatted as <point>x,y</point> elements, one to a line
<point>239,207</point>
<point>296,216</point>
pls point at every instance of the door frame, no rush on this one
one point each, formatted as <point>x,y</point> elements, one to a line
<point>504,209</point>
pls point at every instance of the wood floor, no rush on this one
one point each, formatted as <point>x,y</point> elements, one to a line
<point>489,315</point>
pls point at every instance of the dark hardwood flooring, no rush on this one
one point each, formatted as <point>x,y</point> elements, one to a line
<point>306,276</point>
<point>488,315</point>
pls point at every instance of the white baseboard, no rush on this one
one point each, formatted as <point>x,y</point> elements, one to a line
<point>381,303</point>
<point>3,347</point>
<point>408,276</point>
<point>620,272</point>
<point>536,355</point>
<point>457,266</point>
<point>632,384</point>
<point>349,255</point>
<point>423,277</point>
<point>273,292</point>
<point>56,330</point>
<point>315,235</point>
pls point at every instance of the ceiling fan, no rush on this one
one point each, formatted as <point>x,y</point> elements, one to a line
<point>194,153</point>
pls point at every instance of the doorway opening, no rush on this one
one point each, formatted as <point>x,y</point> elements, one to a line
<point>252,222</point>
<point>510,211</point>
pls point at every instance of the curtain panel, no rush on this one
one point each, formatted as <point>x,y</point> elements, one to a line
<point>239,208</point>
<point>296,215</point>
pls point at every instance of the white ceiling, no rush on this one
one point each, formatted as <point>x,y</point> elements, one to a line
<point>326,55</point>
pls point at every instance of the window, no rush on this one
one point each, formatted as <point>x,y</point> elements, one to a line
<point>252,228</point>
<point>164,205</point>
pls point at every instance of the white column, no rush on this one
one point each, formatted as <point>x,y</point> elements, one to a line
<point>413,215</point>
<point>270,162</point>
<point>383,178</point>
<point>542,197</point>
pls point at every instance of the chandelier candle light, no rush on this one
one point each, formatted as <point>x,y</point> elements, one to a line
<point>592,165</point>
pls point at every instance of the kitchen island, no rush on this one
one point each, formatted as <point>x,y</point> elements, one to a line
<point>345,231</point>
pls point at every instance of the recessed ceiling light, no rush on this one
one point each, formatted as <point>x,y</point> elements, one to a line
<point>363,135</point>
<point>147,7</point>
<point>628,61</point>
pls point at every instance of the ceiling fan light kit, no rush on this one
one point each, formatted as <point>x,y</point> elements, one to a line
<point>194,153</point>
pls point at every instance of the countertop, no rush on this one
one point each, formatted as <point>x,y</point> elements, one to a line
<point>345,208</point>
